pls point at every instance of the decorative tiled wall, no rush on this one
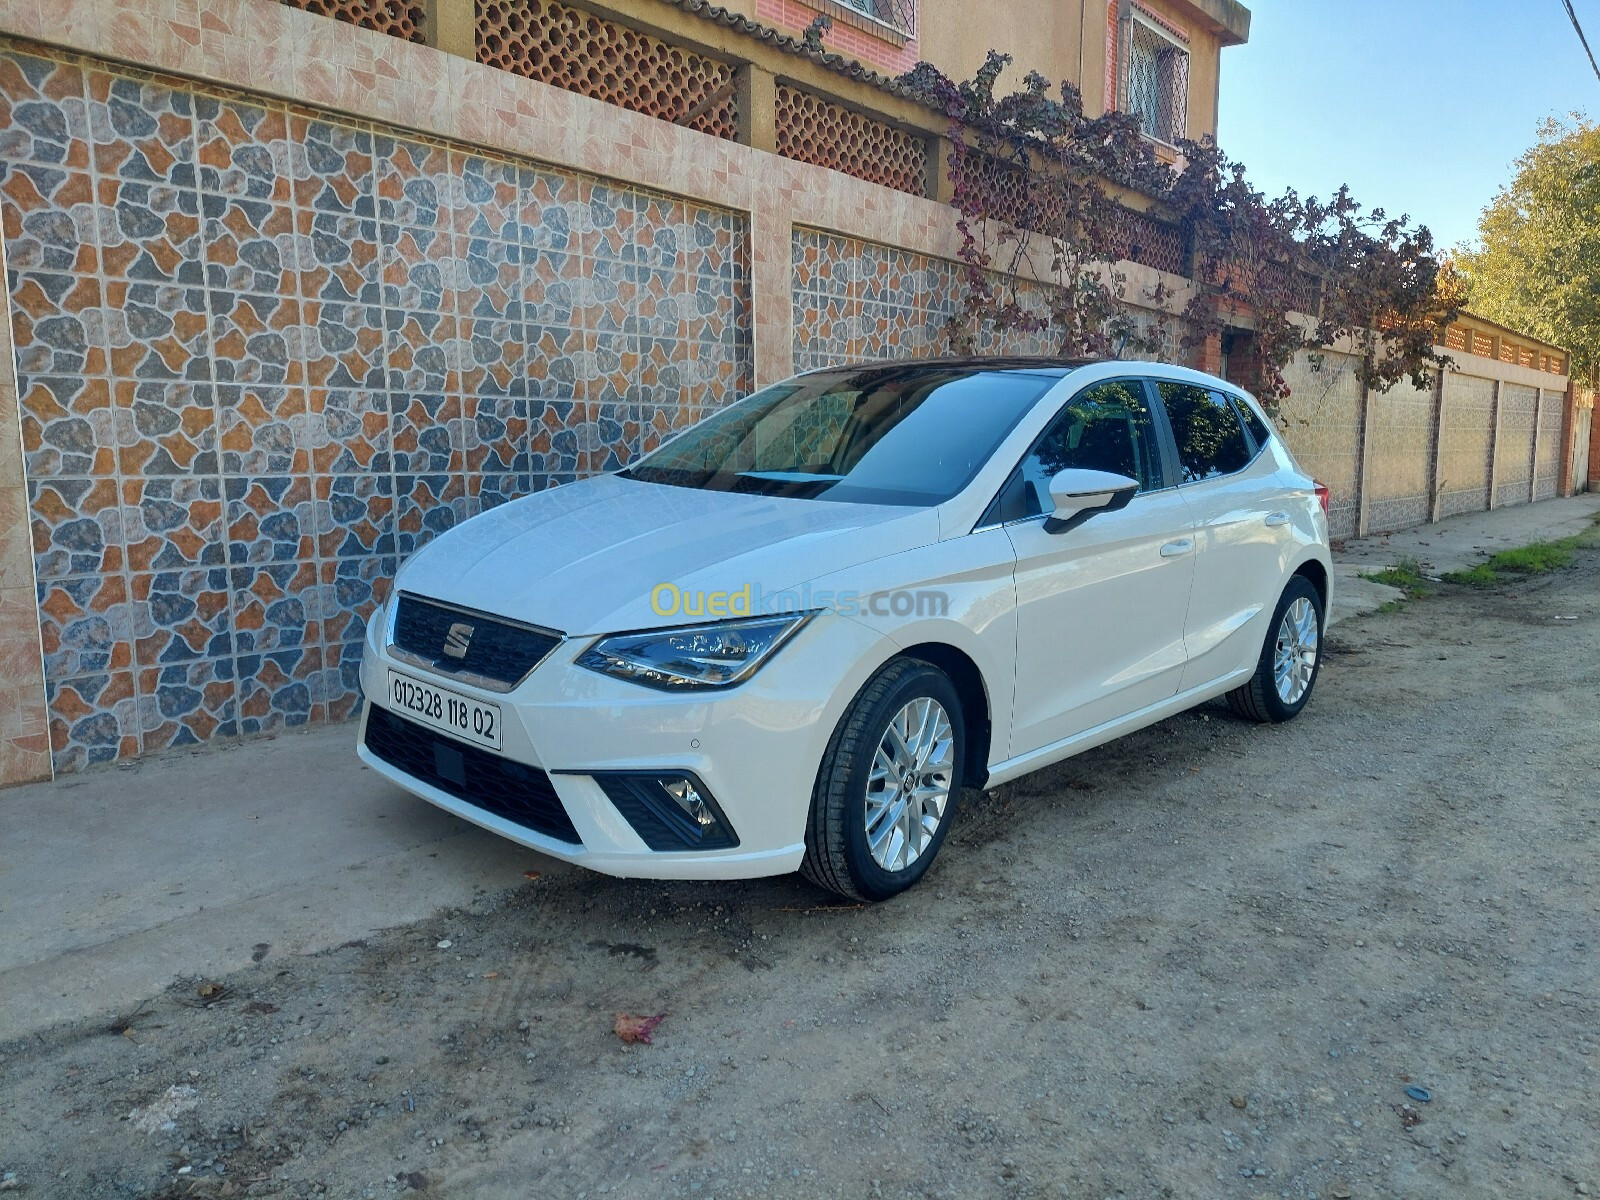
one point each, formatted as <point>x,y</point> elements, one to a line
<point>1399,453</point>
<point>1514,449</point>
<point>1322,424</point>
<point>264,354</point>
<point>855,299</point>
<point>1464,441</point>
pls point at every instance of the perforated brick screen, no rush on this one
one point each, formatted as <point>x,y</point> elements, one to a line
<point>812,130</point>
<point>398,18</point>
<point>1005,192</point>
<point>1153,243</point>
<point>583,53</point>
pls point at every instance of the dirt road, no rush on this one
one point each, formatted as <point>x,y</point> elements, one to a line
<point>1205,961</point>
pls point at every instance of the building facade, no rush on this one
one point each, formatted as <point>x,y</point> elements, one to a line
<point>295,287</point>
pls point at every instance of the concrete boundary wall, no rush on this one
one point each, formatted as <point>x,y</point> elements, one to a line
<point>289,297</point>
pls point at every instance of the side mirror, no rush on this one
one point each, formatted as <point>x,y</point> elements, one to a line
<point>1076,495</point>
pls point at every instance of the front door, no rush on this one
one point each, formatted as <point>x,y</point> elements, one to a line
<point>1101,606</point>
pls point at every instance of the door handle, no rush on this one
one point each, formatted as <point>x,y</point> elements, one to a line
<point>1278,518</point>
<point>1181,546</point>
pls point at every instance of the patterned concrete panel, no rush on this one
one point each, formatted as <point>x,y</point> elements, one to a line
<point>264,353</point>
<point>1321,421</point>
<point>1514,450</point>
<point>1397,459</point>
<point>1464,442</point>
<point>1547,470</point>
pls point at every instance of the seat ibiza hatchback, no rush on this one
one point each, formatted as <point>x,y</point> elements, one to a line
<point>790,636</point>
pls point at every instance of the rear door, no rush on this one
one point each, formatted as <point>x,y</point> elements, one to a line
<point>1100,607</point>
<point>1243,528</point>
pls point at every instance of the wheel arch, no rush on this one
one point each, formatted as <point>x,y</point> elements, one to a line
<point>976,712</point>
<point>1315,572</point>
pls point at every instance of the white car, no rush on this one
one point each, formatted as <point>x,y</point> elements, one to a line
<point>789,637</point>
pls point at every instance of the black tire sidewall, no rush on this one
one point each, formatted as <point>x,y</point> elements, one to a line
<point>870,879</point>
<point>1276,708</point>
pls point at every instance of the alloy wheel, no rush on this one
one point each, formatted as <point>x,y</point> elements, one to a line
<point>1295,660</point>
<point>909,785</point>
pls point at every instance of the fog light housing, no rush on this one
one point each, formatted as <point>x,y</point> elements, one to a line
<point>669,810</point>
<point>690,800</point>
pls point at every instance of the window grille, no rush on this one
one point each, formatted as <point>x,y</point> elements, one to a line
<point>1156,80</point>
<point>897,14</point>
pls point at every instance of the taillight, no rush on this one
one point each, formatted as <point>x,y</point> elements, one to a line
<point>1322,495</point>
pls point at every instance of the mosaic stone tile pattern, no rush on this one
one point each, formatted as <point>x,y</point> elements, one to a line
<point>263,355</point>
<point>1397,470</point>
<point>1464,442</point>
<point>1547,470</point>
<point>856,300</point>
<point>1514,450</point>
<point>1321,421</point>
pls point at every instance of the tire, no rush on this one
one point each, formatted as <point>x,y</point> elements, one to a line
<point>1260,699</point>
<point>839,855</point>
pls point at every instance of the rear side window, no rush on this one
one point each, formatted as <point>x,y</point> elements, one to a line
<point>1210,440</point>
<point>1260,432</point>
<point>1106,427</point>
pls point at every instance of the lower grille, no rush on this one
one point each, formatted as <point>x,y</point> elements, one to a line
<point>519,793</point>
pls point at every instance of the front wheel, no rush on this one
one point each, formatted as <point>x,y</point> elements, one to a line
<point>1290,659</point>
<point>887,787</point>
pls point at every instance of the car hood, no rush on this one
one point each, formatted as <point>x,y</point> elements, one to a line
<point>585,558</point>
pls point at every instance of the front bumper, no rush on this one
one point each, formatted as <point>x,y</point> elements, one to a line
<point>756,747</point>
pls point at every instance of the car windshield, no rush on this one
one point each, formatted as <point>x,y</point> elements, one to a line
<point>867,435</point>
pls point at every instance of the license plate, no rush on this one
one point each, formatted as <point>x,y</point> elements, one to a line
<point>447,711</point>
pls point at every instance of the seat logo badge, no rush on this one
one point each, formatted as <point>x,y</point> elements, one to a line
<point>458,639</point>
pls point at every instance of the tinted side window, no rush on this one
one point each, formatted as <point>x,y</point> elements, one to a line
<point>1257,427</point>
<point>1106,427</point>
<point>1207,430</point>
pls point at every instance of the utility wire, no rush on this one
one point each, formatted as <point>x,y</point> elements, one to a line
<point>1573,14</point>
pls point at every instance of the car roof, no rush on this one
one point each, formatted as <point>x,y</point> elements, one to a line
<point>1035,365</point>
<point>1055,367</point>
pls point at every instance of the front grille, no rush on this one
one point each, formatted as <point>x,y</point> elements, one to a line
<point>519,793</point>
<point>492,649</point>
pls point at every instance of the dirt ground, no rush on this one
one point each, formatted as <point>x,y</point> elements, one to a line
<point>1205,961</point>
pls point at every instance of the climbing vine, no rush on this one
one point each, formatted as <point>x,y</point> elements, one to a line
<point>1046,193</point>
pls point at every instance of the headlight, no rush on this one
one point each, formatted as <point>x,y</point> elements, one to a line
<point>378,622</point>
<point>696,656</point>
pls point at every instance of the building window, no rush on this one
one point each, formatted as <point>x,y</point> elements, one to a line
<point>1155,79</point>
<point>900,15</point>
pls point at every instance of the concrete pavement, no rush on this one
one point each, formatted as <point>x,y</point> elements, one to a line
<point>116,881</point>
<point>1454,544</point>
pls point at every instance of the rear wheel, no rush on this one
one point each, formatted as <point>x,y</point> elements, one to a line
<point>1290,659</point>
<point>887,787</point>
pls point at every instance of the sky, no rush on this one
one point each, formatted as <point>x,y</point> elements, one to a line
<point>1421,106</point>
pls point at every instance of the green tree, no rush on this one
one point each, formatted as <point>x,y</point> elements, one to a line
<point>1537,265</point>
